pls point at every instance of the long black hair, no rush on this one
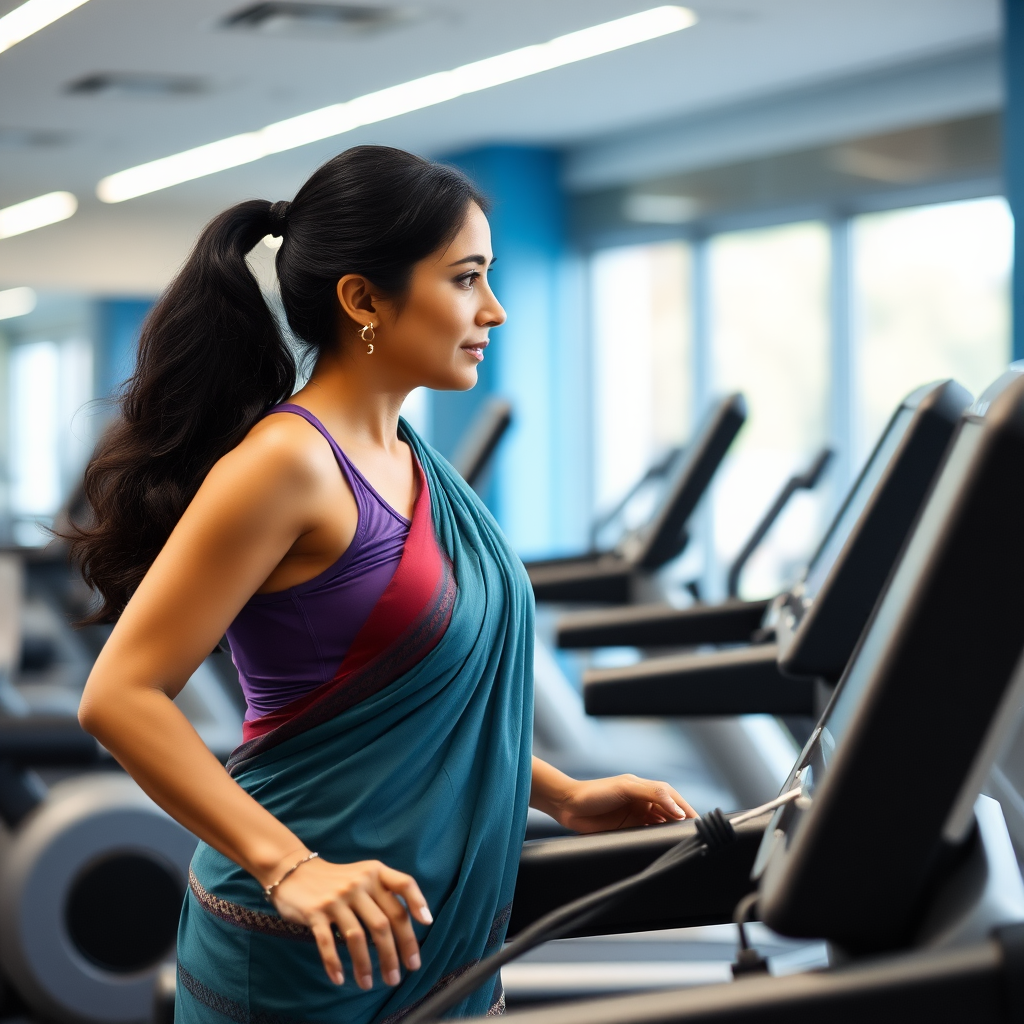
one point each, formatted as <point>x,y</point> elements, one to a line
<point>211,359</point>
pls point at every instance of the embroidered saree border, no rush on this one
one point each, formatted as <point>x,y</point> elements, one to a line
<point>271,924</point>
<point>243,917</point>
<point>498,924</point>
<point>231,1009</point>
<point>496,1008</point>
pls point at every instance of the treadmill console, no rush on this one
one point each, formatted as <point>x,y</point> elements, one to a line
<point>818,622</point>
<point>891,773</point>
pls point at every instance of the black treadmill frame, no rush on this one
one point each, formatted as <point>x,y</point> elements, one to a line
<point>607,577</point>
<point>924,707</point>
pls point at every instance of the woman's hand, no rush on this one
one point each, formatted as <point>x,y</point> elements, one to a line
<point>623,801</point>
<point>599,805</point>
<point>336,897</point>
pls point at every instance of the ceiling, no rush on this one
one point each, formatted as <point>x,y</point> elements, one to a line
<point>232,80</point>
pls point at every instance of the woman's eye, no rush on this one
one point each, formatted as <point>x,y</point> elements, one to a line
<point>466,280</point>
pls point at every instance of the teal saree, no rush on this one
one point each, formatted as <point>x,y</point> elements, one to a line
<point>416,754</point>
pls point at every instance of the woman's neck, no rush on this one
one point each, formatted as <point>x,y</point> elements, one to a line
<point>353,402</point>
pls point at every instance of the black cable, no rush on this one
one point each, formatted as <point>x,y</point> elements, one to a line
<point>748,960</point>
<point>713,833</point>
<point>740,914</point>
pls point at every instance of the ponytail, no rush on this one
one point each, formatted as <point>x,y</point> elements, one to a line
<point>211,360</point>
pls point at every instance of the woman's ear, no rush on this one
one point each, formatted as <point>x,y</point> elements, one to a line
<point>356,298</point>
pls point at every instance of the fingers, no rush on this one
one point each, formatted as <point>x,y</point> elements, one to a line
<point>379,927</point>
<point>359,898</point>
<point>665,800</point>
<point>401,927</point>
<point>355,938</point>
<point>387,921</point>
<point>405,886</point>
<point>690,812</point>
<point>324,937</point>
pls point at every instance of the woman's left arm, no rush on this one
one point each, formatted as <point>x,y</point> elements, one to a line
<point>599,805</point>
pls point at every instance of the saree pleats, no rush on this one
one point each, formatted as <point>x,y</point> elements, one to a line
<point>419,758</point>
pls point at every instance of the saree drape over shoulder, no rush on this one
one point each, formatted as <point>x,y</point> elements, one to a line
<point>416,753</point>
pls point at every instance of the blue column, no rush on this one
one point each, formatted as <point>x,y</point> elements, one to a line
<point>1013,153</point>
<point>118,325</point>
<point>524,363</point>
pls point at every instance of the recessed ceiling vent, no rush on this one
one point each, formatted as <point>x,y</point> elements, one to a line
<point>136,85</point>
<point>279,17</point>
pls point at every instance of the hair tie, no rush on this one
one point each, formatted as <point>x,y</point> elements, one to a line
<point>277,216</point>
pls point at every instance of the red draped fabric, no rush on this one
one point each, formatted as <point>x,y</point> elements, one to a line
<point>404,626</point>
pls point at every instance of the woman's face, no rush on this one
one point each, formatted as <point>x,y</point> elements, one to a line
<point>437,336</point>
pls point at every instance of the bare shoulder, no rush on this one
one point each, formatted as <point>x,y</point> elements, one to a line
<point>279,451</point>
<point>281,471</point>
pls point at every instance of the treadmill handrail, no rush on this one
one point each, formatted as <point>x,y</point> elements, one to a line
<point>731,681</point>
<point>554,871</point>
<point>805,481</point>
<point>481,439</point>
<point>654,625</point>
<point>656,471</point>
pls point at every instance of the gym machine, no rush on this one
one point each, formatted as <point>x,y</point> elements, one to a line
<point>626,573</point>
<point>880,844</point>
<point>790,662</point>
<point>92,877</point>
<point>805,481</point>
<point>479,443</point>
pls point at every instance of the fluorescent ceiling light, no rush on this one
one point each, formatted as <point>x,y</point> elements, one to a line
<point>30,17</point>
<point>16,302</point>
<point>397,99</point>
<point>36,213</point>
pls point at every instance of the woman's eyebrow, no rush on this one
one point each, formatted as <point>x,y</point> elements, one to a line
<point>476,258</point>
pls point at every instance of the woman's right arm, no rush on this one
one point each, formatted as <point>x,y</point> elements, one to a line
<point>248,514</point>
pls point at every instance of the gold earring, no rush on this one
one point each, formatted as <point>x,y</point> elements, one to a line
<point>368,340</point>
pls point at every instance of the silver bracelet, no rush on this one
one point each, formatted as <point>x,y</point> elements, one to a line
<point>268,890</point>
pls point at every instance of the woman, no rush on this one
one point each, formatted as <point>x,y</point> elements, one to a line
<point>381,625</point>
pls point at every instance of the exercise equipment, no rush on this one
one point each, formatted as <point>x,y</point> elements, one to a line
<point>883,845</point>
<point>788,665</point>
<point>92,876</point>
<point>654,476</point>
<point>480,441</point>
<point>805,481</point>
<point>626,573</point>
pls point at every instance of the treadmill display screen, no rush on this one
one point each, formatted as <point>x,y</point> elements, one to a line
<point>886,621</point>
<point>844,522</point>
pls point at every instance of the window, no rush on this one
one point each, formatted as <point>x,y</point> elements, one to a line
<point>928,291</point>
<point>931,290</point>
<point>50,443</point>
<point>769,339</point>
<point>640,308</point>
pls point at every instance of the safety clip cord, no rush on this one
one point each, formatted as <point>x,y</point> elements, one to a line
<point>714,831</point>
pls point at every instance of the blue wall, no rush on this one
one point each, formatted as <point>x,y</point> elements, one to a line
<point>118,325</point>
<point>526,362</point>
<point>1013,152</point>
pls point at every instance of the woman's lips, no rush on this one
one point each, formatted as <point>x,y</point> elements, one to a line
<point>477,350</point>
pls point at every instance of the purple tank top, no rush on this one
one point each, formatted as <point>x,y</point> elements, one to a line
<point>292,641</point>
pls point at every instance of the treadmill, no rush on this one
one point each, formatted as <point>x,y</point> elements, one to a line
<point>621,575</point>
<point>481,438</point>
<point>884,847</point>
<point>790,662</point>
